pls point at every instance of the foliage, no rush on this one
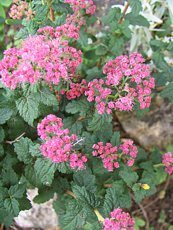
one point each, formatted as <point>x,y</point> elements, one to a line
<point>81,193</point>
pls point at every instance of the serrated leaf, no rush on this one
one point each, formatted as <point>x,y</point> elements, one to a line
<point>5,114</point>
<point>17,191</point>
<point>46,97</point>
<point>101,50</point>
<point>45,170</point>
<point>85,178</point>
<point>128,175</point>
<point>2,134</point>
<point>137,20</point>
<point>12,206</point>
<point>115,197</point>
<point>115,140</point>
<point>28,108</point>
<point>167,92</point>
<point>75,216</point>
<point>85,196</point>
<point>31,176</point>
<point>22,150</point>
<point>80,106</point>
<point>98,121</point>
<point>136,6</point>
<point>44,195</point>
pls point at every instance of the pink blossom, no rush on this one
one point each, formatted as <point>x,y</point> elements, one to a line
<point>119,220</point>
<point>112,155</point>
<point>167,160</point>
<point>127,80</point>
<point>57,144</point>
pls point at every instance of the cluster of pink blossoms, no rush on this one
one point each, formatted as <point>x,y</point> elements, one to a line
<point>74,22</point>
<point>119,220</point>
<point>128,80</point>
<point>167,160</point>
<point>87,5</point>
<point>76,90</point>
<point>58,144</point>
<point>43,57</point>
<point>111,155</point>
<point>19,9</point>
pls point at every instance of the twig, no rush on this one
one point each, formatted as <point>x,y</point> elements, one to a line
<point>52,15</point>
<point>143,212</point>
<point>157,198</point>
<point>15,140</point>
<point>124,13</point>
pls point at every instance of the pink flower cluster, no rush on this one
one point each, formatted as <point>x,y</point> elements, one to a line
<point>58,144</point>
<point>76,90</point>
<point>167,160</point>
<point>87,5</point>
<point>119,220</point>
<point>74,22</point>
<point>98,93</point>
<point>111,155</point>
<point>19,9</point>
<point>43,57</point>
<point>128,81</point>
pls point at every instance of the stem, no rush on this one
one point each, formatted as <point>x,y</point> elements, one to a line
<point>99,216</point>
<point>52,15</point>
<point>15,140</point>
<point>124,12</point>
<point>158,165</point>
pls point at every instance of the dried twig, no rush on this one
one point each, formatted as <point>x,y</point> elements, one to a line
<point>143,212</point>
<point>124,13</point>
<point>15,140</point>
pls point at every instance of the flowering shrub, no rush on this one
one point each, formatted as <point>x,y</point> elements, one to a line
<point>63,85</point>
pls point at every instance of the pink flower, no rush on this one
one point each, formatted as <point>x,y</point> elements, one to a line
<point>127,80</point>
<point>112,155</point>
<point>58,145</point>
<point>119,220</point>
<point>167,160</point>
<point>44,57</point>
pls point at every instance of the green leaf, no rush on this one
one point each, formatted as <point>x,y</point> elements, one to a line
<point>32,177</point>
<point>139,223</point>
<point>136,6</point>
<point>85,196</point>
<point>115,140</point>
<point>80,106</point>
<point>137,20</point>
<point>9,21</point>
<point>22,150</point>
<point>74,218</point>
<point>45,96</point>
<point>101,50</point>
<point>17,191</point>
<point>12,206</point>
<point>61,7</point>
<point>28,108</point>
<point>24,203</point>
<point>2,134</point>
<point>113,15</point>
<point>2,12</point>
<point>5,114</point>
<point>85,178</point>
<point>5,3</point>
<point>167,92</point>
<point>115,197</point>
<point>45,170</point>
<point>98,121</point>
<point>128,175</point>
<point>44,195</point>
